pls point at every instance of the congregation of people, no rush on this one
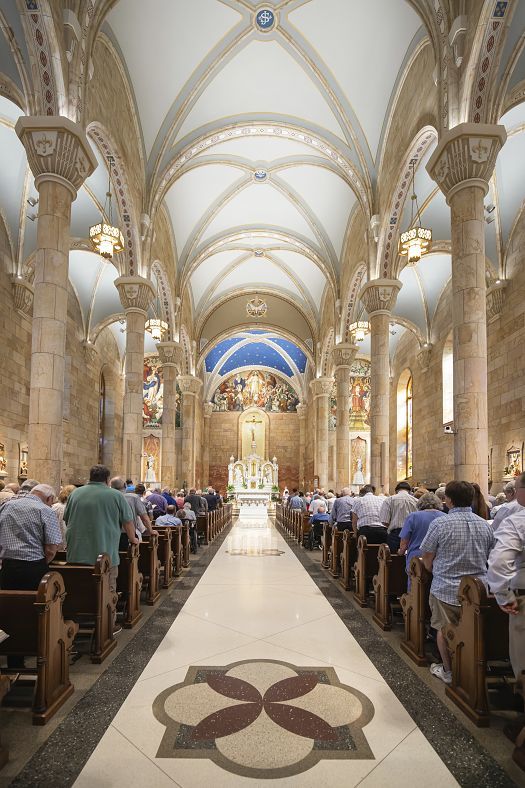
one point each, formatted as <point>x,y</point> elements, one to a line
<point>457,532</point>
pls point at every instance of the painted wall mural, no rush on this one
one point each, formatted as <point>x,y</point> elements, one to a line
<point>153,395</point>
<point>359,398</point>
<point>255,388</point>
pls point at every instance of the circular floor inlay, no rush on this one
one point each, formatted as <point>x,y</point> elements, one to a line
<point>263,718</point>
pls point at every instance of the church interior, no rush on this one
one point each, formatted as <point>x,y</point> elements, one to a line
<point>257,253</point>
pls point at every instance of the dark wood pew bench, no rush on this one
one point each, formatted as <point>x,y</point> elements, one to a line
<point>4,689</point>
<point>365,568</point>
<point>390,583</point>
<point>174,533</point>
<point>203,529</point>
<point>36,628</point>
<point>306,527</point>
<point>165,554</point>
<point>480,637</point>
<point>129,585</point>
<point>149,567</point>
<point>327,545</point>
<point>416,612</point>
<point>337,549</point>
<point>348,558</point>
<point>186,544</point>
<point>90,603</point>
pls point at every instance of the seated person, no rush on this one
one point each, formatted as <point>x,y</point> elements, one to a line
<point>169,518</point>
<point>317,522</point>
<point>188,515</point>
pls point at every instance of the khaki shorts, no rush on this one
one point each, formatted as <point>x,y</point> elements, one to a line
<point>443,613</point>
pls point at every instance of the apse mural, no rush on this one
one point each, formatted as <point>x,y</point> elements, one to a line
<point>153,395</point>
<point>255,388</point>
<point>359,398</point>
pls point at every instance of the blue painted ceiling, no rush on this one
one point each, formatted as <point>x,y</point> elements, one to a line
<point>255,352</point>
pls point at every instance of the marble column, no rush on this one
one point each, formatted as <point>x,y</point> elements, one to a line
<point>343,356</point>
<point>321,389</point>
<point>60,159</point>
<point>190,387</point>
<point>462,165</point>
<point>136,294</point>
<point>379,297</point>
<point>301,414</point>
<point>170,354</point>
<point>207,410</point>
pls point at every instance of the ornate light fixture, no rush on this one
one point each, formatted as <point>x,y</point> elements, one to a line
<point>256,307</point>
<point>415,241</point>
<point>359,330</point>
<point>105,237</point>
<point>157,328</point>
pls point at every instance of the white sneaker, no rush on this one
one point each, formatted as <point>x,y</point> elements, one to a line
<point>439,672</point>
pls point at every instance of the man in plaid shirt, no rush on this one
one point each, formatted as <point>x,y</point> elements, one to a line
<point>456,544</point>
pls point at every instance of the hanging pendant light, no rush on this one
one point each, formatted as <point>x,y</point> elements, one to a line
<point>105,237</point>
<point>415,241</point>
<point>156,326</point>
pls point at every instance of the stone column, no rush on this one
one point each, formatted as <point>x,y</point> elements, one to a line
<point>321,389</point>
<point>170,353</point>
<point>207,410</point>
<point>136,294</point>
<point>190,387</point>
<point>301,414</point>
<point>60,159</point>
<point>343,356</point>
<point>379,297</point>
<point>462,165</point>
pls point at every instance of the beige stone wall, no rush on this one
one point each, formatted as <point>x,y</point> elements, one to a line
<point>283,444</point>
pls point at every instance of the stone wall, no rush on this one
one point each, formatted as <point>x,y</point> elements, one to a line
<point>283,444</point>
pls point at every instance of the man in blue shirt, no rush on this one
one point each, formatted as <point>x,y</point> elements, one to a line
<point>296,501</point>
<point>317,522</point>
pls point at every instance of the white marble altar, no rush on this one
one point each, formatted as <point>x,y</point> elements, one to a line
<point>252,480</point>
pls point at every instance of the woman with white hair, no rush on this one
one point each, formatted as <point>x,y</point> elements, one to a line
<point>416,526</point>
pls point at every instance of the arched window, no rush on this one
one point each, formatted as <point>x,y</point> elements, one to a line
<point>447,369</point>
<point>404,425</point>
<point>101,417</point>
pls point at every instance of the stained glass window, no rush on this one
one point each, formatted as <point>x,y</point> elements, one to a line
<point>404,425</point>
<point>447,368</point>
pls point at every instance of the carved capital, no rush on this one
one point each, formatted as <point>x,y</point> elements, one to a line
<point>207,409</point>
<point>344,355</point>
<point>170,353</point>
<point>90,351</point>
<point>301,410</point>
<point>466,155</point>
<point>56,149</point>
<point>423,357</point>
<point>495,301</point>
<point>136,293</point>
<point>380,295</point>
<point>189,384</point>
<point>22,295</point>
<point>322,387</point>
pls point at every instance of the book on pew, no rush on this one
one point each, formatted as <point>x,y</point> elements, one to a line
<point>3,635</point>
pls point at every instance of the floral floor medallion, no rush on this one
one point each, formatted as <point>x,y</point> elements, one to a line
<point>263,718</point>
<point>265,551</point>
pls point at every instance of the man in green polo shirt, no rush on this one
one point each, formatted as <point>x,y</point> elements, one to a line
<point>95,515</point>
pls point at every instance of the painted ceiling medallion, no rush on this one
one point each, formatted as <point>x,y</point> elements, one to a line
<point>259,253</point>
<point>256,307</point>
<point>263,718</point>
<point>265,19</point>
<point>260,175</point>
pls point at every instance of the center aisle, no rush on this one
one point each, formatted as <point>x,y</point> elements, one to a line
<point>259,678</point>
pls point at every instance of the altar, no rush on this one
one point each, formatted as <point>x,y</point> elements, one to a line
<point>252,481</point>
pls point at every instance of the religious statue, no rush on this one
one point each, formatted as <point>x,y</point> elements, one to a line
<point>358,475</point>
<point>238,477</point>
<point>268,475</point>
<point>252,424</point>
<point>150,469</point>
<point>3,461</point>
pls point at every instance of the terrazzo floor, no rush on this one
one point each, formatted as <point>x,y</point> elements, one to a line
<point>259,679</point>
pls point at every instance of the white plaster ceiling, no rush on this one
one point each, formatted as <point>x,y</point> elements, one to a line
<point>423,285</point>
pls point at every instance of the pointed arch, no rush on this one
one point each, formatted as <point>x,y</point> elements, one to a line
<point>351,302</point>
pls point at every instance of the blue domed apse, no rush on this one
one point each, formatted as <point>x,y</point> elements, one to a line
<point>256,347</point>
<point>215,355</point>
<point>256,354</point>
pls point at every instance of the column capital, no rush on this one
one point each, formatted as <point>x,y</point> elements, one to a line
<point>380,295</point>
<point>301,410</point>
<point>465,156</point>
<point>170,353</point>
<point>22,295</point>
<point>321,387</point>
<point>423,357</point>
<point>495,300</point>
<point>136,293</point>
<point>57,149</point>
<point>189,384</point>
<point>207,409</point>
<point>344,355</point>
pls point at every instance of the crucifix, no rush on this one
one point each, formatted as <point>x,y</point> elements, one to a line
<point>252,430</point>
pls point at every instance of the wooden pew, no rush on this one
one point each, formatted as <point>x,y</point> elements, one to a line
<point>185,544</point>
<point>166,558</point>
<point>37,628</point>
<point>481,636</point>
<point>149,567</point>
<point>203,528</point>
<point>348,558</point>
<point>306,527</point>
<point>4,689</point>
<point>389,584</point>
<point>90,603</point>
<point>365,568</point>
<point>327,545</point>
<point>416,612</point>
<point>337,549</point>
<point>129,585</point>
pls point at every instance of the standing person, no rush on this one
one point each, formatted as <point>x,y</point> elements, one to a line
<point>198,504</point>
<point>180,499</point>
<point>316,501</point>
<point>140,515</point>
<point>94,515</point>
<point>140,490</point>
<point>8,491</point>
<point>506,578</point>
<point>158,501</point>
<point>416,526</point>
<point>479,504</point>
<point>59,508</point>
<point>187,514</point>
<point>456,544</point>
<point>366,515</point>
<point>341,510</point>
<point>211,499</point>
<point>512,505</point>
<point>296,501</point>
<point>394,512</point>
